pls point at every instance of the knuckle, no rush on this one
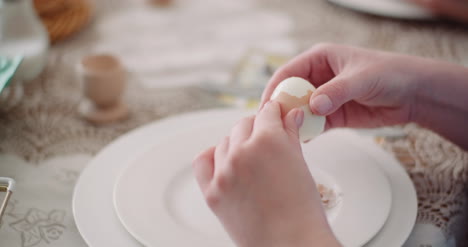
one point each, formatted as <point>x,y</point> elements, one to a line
<point>337,90</point>
<point>284,71</point>
<point>196,166</point>
<point>222,182</point>
<point>197,162</point>
<point>264,136</point>
<point>212,198</point>
<point>323,47</point>
<point>235,159</point>
<point>235,155</point>
<point>244,121</point>
<point>292,130</point>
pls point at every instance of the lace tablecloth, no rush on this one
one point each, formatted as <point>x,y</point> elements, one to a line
<point>44,144</point>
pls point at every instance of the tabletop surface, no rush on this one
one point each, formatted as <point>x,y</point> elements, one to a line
<point>44,143</point>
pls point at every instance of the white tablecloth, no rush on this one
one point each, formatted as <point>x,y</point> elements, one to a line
<point>44,144</point>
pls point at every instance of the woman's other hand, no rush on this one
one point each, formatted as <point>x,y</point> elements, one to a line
<point>257,183</point>
<point>362,88</point>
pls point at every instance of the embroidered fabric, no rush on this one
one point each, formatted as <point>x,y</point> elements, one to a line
<point>439,171</point>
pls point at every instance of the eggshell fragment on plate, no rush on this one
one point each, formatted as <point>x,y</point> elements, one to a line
<point>295,92</point>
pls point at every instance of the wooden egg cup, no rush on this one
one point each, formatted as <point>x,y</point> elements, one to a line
<point>104,80</point>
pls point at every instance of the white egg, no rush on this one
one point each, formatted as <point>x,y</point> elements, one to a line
<point>295,92</point>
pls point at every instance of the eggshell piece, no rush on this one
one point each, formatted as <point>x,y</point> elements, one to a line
<point>294,92</point>
<point>313,125</point>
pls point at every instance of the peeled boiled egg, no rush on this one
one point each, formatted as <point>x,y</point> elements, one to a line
<point>295,92</point>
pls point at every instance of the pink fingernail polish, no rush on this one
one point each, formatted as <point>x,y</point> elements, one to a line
<point>263,106</point>
<point>321,104</point>
<point>299,118</point>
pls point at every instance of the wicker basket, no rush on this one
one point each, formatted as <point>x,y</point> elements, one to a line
<point>63,18</point>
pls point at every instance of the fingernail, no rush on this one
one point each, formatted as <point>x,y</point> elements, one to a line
<point>263,106</point>
<point>299,118</point>
<point>321,104</point>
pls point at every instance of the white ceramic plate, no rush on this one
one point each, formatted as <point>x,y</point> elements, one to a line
<point>404,210</point>
<point>389,8</point>
<point>159,203</point>
<point>93,193</point>
<point>92,198</point>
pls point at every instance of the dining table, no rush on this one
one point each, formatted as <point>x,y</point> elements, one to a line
<point>172,53</point>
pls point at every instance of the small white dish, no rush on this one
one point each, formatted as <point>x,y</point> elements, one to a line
<point>159,203</point>
<point>389,8</point>
<point>93,197</point>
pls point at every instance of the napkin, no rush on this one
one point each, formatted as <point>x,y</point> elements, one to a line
<point>8,67</point>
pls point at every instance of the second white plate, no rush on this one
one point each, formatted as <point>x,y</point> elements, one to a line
<point>159,203</point>
<point>390,8</point>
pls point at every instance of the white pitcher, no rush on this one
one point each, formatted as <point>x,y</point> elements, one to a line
<point>22,33</point>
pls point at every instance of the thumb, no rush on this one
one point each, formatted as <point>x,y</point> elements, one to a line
<point>333,94</point>
<point>203,166</point>
<point>293,121</point>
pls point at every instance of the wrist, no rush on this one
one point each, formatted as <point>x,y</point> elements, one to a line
<point>441,103</point>
<point>440,89</point>
<point>324,239</point>
<point>311,238</point>
<point>312,233</point>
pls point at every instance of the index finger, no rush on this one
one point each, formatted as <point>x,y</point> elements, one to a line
<point>203,166</point>
<point>312,65</point>
<point>269,118</point>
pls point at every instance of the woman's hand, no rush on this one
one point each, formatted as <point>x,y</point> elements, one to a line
<point>356,87</point>
<point>257,182</point>
<point>363,89</point>
<point>454,9</point>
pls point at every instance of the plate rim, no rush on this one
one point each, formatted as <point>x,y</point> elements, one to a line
<point>79,191</point>
<point>419,13</point>
<point>124,141</point>
<point>132,219</point>
<point>377,152</point>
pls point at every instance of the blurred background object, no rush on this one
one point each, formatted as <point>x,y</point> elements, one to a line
<point>161,3</point>
<point>453,9</point>
<point>248,78</point>
<point>22,34</point>
<point>104,79</point>
<point>63,18</point>
<point>456,10</point>
<point>7,185</point>
<point>8,67</point>
<point>9,94</point>
<point>389,8</point>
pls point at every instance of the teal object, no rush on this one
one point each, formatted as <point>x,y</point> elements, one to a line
<point>8,67</point>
